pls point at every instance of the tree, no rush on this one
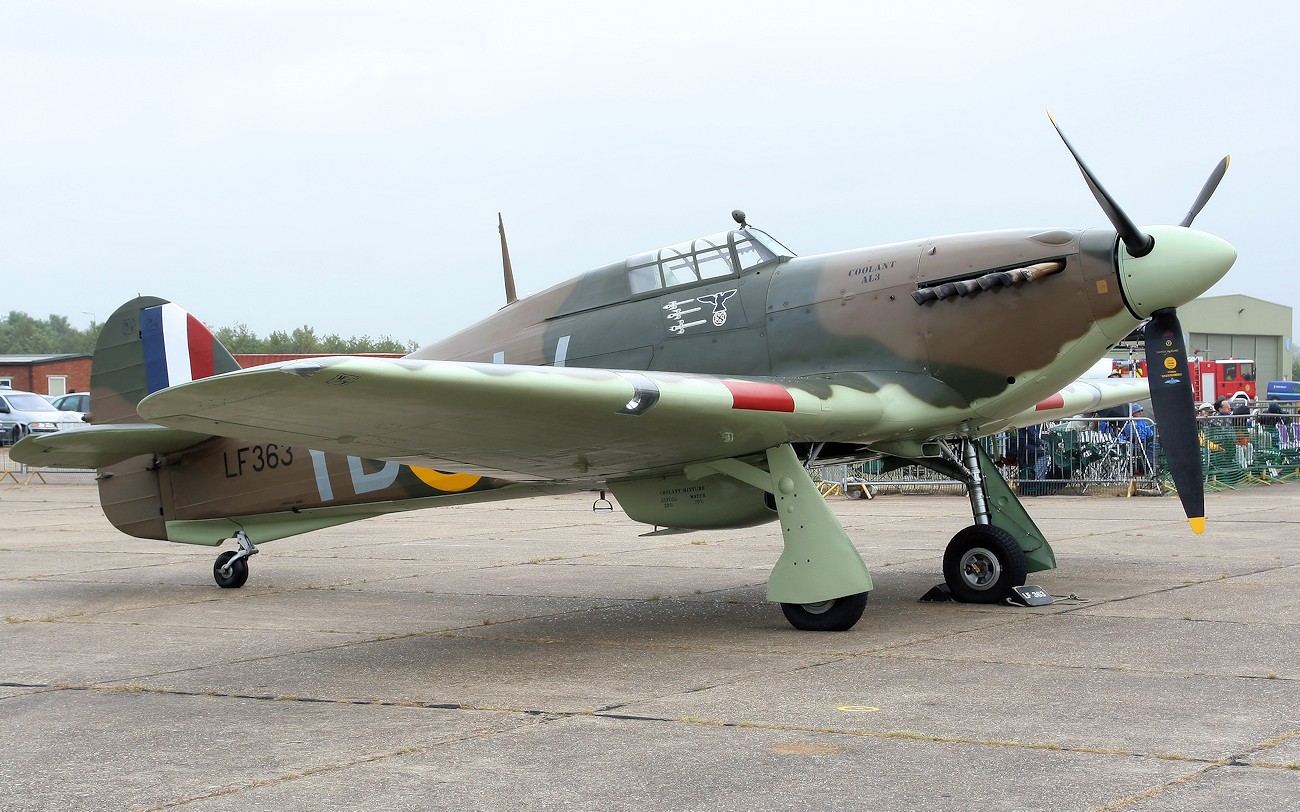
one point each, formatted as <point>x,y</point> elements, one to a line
<point>22,334</point>
<point>304,340</point>
<point>239,339</point>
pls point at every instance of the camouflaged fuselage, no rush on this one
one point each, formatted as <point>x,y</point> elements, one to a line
<point>870,320</point>
<point>851,317</point>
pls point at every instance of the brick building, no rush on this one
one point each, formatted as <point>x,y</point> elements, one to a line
<point>56,374</point>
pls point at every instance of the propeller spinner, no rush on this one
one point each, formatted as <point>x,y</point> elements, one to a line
<point>1160,268</point>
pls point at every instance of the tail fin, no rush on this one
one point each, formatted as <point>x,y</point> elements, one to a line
<point>146,345</point>
<point>149,344</point>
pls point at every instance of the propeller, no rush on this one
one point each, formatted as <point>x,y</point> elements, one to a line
<point>1166,350</point>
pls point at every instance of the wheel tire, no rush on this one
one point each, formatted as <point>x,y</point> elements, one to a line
<point>982,564</point>
<point>836,615</point>
<point>238,572</point>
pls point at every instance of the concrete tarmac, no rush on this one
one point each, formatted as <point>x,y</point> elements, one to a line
<point>536,655</point>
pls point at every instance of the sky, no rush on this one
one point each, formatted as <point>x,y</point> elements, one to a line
<point>281,163</point>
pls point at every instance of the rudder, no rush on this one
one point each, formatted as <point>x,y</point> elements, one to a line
<point>149,344</point>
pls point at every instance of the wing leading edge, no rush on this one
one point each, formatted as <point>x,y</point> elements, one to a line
<point>524,423</point>
<point>1082,396</point>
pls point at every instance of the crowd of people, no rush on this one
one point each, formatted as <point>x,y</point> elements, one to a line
<point>1225,412</point>
<point>1223,423</point>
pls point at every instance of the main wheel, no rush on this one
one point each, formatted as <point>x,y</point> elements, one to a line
<point>228,574</point>
<point>982,564</point>
<point>835,615</point>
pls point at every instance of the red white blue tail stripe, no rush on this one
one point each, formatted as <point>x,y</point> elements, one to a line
<point>177,347</point>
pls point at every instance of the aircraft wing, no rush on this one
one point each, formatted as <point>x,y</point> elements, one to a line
<point>1084,395</point>
<point>524,423</point>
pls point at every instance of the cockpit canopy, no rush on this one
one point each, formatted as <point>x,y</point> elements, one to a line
<point>727,253</point>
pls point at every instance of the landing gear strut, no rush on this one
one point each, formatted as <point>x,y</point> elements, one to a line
<point>231,568</point>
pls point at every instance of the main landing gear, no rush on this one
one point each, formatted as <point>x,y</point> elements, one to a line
<point>231,568</point>
<point>820,580</point>
<point>982,564</point>
<point>985,561</point>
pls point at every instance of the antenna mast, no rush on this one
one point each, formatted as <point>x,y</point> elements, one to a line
<point>505,263</point>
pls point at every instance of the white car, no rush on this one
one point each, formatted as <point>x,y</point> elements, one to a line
<point>23,413</point>
<point>76,404</point>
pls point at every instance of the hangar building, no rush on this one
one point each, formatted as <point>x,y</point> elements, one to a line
<point>1239,326</point>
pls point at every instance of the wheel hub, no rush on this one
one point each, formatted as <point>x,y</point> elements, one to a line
<point>980,568</point>
<point>819,608</point>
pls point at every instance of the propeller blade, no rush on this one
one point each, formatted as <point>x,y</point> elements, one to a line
<point>1171,400</point>
<point>1211,184</point>
<point>1137,243</point>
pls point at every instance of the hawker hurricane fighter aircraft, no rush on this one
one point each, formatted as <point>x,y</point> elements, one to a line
<point>696,383</point>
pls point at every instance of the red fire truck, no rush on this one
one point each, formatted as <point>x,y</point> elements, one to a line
<point>1211,380</point>
<point>1229,378</point>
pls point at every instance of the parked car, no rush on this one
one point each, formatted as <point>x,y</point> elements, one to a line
<point>78,402</point>
<point>23,413</point>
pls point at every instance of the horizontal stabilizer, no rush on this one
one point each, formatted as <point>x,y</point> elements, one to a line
<point>97,446</point>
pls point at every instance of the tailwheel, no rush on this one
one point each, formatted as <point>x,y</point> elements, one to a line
<point>231,568</point>
<point>230,572</point>
<point>982,564</point>
<point>835,615</point>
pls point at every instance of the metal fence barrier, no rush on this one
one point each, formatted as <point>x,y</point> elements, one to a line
<point>15,473</point>
<point>1096,456</point>
<point>1240,451</point>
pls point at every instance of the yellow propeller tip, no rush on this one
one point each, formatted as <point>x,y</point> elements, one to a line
<point>1197,523</point>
